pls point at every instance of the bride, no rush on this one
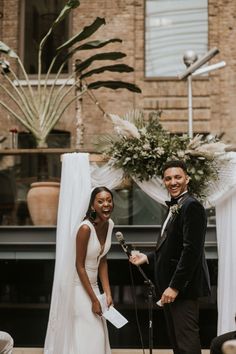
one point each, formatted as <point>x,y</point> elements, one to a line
<point>93,241</point>
<point>75,325</point>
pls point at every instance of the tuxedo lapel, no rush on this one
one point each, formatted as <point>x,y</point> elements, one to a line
<point>164,233</point>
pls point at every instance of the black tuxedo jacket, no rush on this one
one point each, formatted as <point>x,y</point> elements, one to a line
<point>179,259</point>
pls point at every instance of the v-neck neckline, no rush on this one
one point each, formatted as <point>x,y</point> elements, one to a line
<point>102,246</point>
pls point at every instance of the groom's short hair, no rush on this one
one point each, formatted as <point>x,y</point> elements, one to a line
<point>174,163</point>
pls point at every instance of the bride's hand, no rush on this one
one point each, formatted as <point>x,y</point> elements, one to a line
<point>96,308</point>
<point>109,300</point>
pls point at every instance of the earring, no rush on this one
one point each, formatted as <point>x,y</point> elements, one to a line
<point>92,214</point>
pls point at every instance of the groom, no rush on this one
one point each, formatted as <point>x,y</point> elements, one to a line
<point>180,269</point>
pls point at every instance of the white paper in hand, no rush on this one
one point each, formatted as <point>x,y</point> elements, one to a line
<point>159,303</point>
<point>103,302</point>
<point>111,314</point>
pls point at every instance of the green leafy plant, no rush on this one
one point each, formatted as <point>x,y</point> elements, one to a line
<point>142,147</point>
<point>39,110</point>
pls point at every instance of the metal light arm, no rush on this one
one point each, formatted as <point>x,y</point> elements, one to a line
<point>209,68</point>
<point>197,64</point>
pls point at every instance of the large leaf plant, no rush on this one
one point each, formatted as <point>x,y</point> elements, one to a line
<point>39,110</point>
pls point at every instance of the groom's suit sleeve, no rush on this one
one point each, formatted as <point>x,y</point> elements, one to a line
<point>193,222</point>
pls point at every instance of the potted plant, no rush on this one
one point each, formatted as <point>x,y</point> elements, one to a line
<point>38,110</point>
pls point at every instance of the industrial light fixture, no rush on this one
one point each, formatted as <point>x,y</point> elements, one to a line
<point>194,68</point>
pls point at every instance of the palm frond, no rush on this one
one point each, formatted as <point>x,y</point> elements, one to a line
<point>105,140</point>
<point>123,127</point>
<point>39,110</point>
<point>136,117</point>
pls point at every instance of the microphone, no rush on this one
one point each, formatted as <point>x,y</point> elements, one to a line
<point>121,240</point>
<point>127,249</point>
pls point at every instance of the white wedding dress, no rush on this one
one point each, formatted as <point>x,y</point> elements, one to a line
<point>90,331</point>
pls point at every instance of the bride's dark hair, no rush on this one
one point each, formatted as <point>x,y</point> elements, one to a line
<point>89,213</point>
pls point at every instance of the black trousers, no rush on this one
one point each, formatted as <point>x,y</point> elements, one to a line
<point>217,342</point>
<point>182,323</point>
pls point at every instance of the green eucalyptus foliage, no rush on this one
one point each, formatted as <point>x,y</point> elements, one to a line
<point>144,156</point>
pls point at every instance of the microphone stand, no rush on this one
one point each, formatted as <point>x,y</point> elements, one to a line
<point>151,290</point>
<point>151,295</point>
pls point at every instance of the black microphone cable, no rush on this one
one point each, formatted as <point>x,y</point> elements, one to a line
<point>133,293</point>
<point>128,251</point>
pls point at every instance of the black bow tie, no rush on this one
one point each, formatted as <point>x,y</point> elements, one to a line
<point>178,200</point>
<point>171,202</point>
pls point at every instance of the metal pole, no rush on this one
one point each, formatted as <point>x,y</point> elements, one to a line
<point>189,58</point>
<point>151,296</point>
<point>190,107</point>
<point>193,65</point>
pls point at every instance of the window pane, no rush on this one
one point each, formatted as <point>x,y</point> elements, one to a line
<point>38,18</point>
<point>134,207</point>
<point>172,27</point>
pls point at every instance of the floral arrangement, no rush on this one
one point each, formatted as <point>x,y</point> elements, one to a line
<point>141,148</point>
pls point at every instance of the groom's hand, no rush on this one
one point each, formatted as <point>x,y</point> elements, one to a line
<point>169,296</point>
<point>138,259</point>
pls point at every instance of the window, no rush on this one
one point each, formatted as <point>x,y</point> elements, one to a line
<point>37,18</point>
<point>171,28</point>
<point>135,207</point>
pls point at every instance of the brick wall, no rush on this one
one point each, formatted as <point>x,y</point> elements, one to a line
<point>213,97</point>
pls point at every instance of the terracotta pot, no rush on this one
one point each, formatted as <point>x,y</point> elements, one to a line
<point>42,200</point>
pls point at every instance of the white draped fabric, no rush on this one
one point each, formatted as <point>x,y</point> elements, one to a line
<point>154,188</point>
<point>78,177</point>
<point>105,176</point>
<point>73,202</point>
<point>226,240</point>
<point>223,196</point>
